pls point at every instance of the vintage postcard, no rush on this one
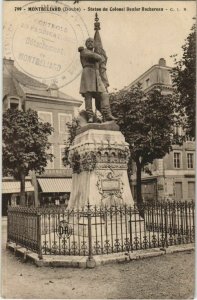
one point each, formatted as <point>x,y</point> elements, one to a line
<point>98,149</point>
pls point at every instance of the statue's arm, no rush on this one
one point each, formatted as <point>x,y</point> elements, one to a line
<point>92,55</point>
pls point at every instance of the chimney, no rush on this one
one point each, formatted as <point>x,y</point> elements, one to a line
<point>8,63</point>
<point>53,89</point>
<point>162,62</point>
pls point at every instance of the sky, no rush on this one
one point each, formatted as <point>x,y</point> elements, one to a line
<point>133,41</point>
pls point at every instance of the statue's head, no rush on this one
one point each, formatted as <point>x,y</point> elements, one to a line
<point>89,43</point>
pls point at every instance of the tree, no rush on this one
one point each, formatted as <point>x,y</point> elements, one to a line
<point>146,121</point>
<point>25,142</point>
<point>72,131</point>
<point>184,80</point>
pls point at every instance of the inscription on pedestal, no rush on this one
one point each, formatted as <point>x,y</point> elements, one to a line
<point>110,185</point>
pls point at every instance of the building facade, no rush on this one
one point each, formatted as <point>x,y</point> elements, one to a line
<point>53,106</point>
<point>172,177</point>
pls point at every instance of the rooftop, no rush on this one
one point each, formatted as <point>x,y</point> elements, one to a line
<point>161,65</point>
<point>17,82</point>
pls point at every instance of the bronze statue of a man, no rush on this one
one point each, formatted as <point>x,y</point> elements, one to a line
<point>92,85</point>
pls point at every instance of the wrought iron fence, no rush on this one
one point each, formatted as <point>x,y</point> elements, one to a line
<point>99,230</point>
<point>24,227</point>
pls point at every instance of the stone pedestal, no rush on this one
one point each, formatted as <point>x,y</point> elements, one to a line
<point>99,157</point>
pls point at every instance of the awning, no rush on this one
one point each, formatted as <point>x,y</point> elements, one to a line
<point>55,185</point>
<point>10,187</point>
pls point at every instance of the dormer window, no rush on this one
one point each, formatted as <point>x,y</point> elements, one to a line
<point>147,82</point>
<point>14,103</point>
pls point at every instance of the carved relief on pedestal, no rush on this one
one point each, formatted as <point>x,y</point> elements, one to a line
<point>110,186</point>
<point>99,158</point>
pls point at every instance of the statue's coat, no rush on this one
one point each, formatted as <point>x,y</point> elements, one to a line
<point>91,80</point>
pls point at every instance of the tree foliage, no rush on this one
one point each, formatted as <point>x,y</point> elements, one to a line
<point>25,144</point>
<point>146,121</point>
<point>184,80</point>
<point>72,131</point>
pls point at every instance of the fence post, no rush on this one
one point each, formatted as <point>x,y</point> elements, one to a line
<point>166,224</point>
<point>193,221</point>
<point>8,229</point>
<point>90,261</point>
<point>39,241</point>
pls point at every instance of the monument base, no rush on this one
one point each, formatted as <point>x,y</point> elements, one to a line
<point>99,160</point>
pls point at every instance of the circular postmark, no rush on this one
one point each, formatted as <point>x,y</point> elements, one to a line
<point>44,43</point>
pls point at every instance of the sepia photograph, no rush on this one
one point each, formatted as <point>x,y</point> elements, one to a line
<point>98,149</point>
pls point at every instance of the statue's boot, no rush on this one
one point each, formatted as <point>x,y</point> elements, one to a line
<point>105,108</point>
<point>107,116</point>
<point>88,108</point>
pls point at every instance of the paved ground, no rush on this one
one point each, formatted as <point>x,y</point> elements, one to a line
<point>166,277</point>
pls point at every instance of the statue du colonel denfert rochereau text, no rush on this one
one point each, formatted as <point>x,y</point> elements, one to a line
<point>94,82</point>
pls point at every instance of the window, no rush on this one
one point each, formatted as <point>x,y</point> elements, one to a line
<point>46,117</point>
<point>50,165</point>
<point>190,160</point>
<point>63,120</point>
<point>147,82</point>
<point>191,190</point>
<point>178,130</point>
<point>15,103</point>
<point>177,160</point>
<point>178,191</point>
